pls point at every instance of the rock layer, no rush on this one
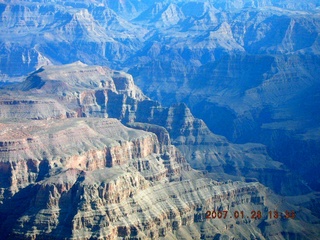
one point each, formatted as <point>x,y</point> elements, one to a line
<point>29,152</point>
<point>64,176</point>
<point>86,91</point>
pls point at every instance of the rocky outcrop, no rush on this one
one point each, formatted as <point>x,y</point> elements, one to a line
<point>161,132</point>
<point>241,66</point>
<point>82,90</point>
<point>231,62</point>
<point>30,151</point>
<point>78,76</point>
<point>243,69</point>
<point>218,157</point>
<point>82,178</point>
<point>86,91</point>
<point>115,202</point>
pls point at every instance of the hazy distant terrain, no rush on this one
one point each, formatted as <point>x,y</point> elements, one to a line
<point>249,69</point>
<point>233,85</point>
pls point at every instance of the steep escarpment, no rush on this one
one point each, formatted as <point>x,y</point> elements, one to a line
<point>86,91</point>
<point>82,90</point>
<point>249,69</point>
<point>31,150</point>
<point>221,159</point>
<point>117,202</point>
<point>53,153</point>
<point>66,176</point>
<point>95,178</point>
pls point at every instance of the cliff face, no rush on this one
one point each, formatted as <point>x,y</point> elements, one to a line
<point>64,176</point>
<point>79,90</point>
<point>31,151</point>
<point>221,159</point>
<point>86,91</point>
<point>95,178</point>
<point>111,203</point>
<point>231,62</point>
<point>249,69</point>
<point>47,159</point>
<point>74,90</point>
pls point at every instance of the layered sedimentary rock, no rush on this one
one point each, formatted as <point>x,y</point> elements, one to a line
<point>241,66</point>
<point>248,69</point>
<point>82,90</point>
<point>29,150</point>
<point>66,176</point>
<point>86,91</point>
<point>236,64</point>
<point>95,178</point>
<point>15,106</point>
<point>217,156</point>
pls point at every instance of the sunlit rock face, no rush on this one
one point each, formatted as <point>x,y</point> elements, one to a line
<point>30,150</point>
<point>94,91</point>
<point>69,167</point>
<point>79,90</point>
<point>95,178</point>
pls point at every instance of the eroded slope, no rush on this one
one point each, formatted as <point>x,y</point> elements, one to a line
<point>95,178</point>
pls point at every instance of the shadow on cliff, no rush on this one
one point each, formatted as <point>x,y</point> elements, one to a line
<point>68,208</point>
<point>26,203</point>
<point>13,208</point>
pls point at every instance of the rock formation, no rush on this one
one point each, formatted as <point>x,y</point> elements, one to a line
<point>231,62</point>
<point>95,178</point>
<point>94,91</point>
<point>82,90</point>
<point>77,173</point>
<point>220,158</point>
<point>84,154</point>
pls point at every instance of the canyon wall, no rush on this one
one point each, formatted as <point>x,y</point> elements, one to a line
<point>70,169</point>
<point>93,91</point>
<point>94,178</point>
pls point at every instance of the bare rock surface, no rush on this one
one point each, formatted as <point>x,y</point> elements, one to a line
<point>94,178</point>
<point>79,76</point>
<point>82,91</point>
<point>242,66</point>
<point>30,149</point>
<point>17,106</point>
<point>70,171</point>
<point>221,159</point>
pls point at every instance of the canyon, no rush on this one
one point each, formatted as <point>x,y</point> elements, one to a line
<point>248,69</point>
<point>133,119</point>
<point>79,173</point>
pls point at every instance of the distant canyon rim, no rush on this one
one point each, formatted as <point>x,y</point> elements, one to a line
<point>214,104</point>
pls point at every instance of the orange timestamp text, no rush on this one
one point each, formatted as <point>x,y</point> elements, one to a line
<point>252,215</point>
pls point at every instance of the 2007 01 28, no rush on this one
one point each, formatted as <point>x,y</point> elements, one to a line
<point>253,214</point>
